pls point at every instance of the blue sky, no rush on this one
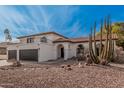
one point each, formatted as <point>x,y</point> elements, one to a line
<point>71,21</point>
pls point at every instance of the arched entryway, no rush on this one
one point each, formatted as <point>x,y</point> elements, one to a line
<point>80,50</point>
<point>60,51</point>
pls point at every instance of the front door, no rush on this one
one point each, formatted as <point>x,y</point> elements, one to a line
<point>62,52</point>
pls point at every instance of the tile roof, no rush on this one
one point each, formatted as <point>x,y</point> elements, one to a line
<point>83,39</point>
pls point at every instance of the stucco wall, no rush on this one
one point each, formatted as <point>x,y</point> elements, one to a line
<point>47,52</point>
<point>23,46</point>
<point>74,46</point>
<point>3,56</point>
<point>50,38</point>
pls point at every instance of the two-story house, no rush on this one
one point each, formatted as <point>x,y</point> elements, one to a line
<point>46,46</point>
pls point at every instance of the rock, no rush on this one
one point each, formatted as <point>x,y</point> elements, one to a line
<point>69,69</point>
<point>68,65</point>
<point>4,68</point>
<point>32,68</point>
<point>62,66</point>
<point>16,64</point>
<point>47,68</point>
<point>25,69</point>
<point>80,65</point>
<point>88,60</point>
<point>103,62</point>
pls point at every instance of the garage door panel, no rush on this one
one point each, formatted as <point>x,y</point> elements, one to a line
<point>30,54</point>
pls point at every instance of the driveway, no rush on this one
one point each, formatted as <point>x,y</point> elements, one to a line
<point>4,63</point>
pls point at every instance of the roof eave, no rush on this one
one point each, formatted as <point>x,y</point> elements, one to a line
<point>42,34</point>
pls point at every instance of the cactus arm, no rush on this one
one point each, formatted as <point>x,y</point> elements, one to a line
<point>101,48</point>
<point>106,41</point>
<point>110,42</point>
<point>95,52</point>
<point>90,49</point>
<point>94,59</point>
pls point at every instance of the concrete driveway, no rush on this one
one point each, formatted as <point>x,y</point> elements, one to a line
<point>4,63</point>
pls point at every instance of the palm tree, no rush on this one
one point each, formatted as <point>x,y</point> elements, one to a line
<point>7,35</point>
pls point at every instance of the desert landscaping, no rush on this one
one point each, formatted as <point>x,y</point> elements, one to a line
<point>52,60</point>
<point>60,74</point>
<point>101,66</point>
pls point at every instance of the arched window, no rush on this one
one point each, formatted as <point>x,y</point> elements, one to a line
<point>43,39</point>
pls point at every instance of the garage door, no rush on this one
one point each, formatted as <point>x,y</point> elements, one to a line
<point>12,54</point>
<point>30,54</point>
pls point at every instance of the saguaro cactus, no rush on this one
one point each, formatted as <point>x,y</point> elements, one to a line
<point>106,52</point>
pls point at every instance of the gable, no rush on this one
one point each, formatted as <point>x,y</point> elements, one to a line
<point>37,37</point>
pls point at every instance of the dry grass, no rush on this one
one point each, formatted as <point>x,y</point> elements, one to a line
<point>57,75</point>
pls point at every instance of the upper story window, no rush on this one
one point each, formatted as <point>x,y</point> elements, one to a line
<point>30,40</point>
<point>43,39</point>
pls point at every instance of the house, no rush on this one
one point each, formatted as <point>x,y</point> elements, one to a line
<point>3,50</point>
<point>47,46</point>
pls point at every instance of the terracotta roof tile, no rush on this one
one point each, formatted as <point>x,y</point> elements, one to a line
<point>62,40</point>
<point>83,39</point>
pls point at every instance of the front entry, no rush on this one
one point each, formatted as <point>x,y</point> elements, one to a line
<point>60,51</point>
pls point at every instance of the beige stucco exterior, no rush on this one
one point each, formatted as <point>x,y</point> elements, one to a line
<point>48,51</point>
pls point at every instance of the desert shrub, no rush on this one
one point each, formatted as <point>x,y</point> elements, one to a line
<point>16,64</point>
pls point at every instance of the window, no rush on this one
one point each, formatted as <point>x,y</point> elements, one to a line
<point>30,40</point>
<point>43,39</point>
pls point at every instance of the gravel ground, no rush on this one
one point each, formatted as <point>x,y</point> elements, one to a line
<point>55,76</point>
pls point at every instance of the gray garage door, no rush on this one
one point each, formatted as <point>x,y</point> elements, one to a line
<point>30,54</point>
<point>12,54</point>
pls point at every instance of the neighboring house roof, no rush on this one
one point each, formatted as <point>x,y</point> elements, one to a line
<point>83,39</point>
<point>44,33</point>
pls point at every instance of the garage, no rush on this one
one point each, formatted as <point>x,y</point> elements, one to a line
<point>28,54</point>
<point>12,54</point>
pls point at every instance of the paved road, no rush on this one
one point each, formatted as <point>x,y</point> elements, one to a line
<point>4,63</point>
